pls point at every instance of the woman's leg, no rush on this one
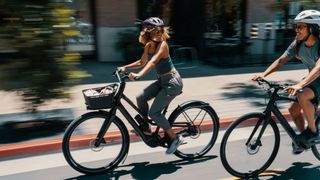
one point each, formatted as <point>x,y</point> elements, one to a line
<point>160,102</point>
<point>295,112</point>
<point>148,93</point>
<point>305,99</point>
<point>155,113</point>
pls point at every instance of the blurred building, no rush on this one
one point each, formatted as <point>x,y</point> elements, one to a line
<point>216,29</point>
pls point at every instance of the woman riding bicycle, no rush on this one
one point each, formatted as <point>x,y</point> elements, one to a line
<point>305,47</point>
<point>169,83</point>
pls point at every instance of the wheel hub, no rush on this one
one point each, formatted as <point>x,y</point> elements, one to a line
<point>253,147</point>
<point>94,148</point>
<point>195,132</point>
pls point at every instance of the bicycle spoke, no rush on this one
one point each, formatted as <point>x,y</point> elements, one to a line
<point>187,117</point>
<point>197,143</point>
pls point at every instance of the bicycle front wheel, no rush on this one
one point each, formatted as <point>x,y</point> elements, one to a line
<point>242,152</point>
<point>79,147</point>
<point>198,123</point>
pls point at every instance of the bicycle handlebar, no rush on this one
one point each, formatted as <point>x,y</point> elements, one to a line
<point>268,86</point>
<point>271,85</point>
<point>122,76</point>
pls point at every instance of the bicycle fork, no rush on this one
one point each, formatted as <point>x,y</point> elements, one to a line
<point>253,145</point>
<point>105,126</point>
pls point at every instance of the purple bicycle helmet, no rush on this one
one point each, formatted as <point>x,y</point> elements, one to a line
<point>152,22</point>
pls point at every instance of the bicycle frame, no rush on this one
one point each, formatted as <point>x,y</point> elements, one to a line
<point>273,108</point>
<point>149,140</point>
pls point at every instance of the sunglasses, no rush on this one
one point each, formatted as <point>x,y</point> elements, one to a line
<point>300,27</point>
<point>157,31</point>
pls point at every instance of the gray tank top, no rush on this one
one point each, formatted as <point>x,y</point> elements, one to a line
<point>164,65</point>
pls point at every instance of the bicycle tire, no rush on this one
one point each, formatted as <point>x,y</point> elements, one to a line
<point>78,143</point>
<point>316,147</point>
<point>316,150</point>
<point>232,146</point>
<point>210,124</point>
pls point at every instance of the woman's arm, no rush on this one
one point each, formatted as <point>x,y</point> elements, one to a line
<point>314,74</point>
<point>161,53</point>
<point>276,65</point>
<point>139,63</point>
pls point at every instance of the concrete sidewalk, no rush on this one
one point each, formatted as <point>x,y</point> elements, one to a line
<point>228,90</point>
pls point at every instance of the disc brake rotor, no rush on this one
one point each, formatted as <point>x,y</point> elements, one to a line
<point>252,147</point>
<point>93,147</point>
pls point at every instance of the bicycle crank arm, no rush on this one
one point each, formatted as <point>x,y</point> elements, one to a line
<point>313,141</point>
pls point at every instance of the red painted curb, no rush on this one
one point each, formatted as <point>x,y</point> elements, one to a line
<point>54,145</point>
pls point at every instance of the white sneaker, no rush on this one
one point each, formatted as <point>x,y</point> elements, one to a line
<point>174,145</point>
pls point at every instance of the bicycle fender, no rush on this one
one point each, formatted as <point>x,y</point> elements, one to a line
<point>191,103</point>
<point>105,113</point>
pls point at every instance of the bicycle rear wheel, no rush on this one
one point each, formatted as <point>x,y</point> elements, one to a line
<point>79,139</point>
<point>199,125</point>
<point>242,154</point>
<point>316,147</point>
<point>316,150</point>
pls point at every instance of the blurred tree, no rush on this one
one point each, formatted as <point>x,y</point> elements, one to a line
<point>43,68</point>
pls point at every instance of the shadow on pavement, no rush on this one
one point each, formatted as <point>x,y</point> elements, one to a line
<point>298,170</point>
<point>13,132</point>
<point>248,91</point>
<point>24,126</point>
<point>145,170</point>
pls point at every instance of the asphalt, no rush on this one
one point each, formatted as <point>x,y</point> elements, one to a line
<point>228,90</point>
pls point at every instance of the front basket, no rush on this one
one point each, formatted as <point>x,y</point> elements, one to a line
<point>100,97</point>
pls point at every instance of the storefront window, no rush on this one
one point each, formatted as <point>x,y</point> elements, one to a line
<point>84,42</point>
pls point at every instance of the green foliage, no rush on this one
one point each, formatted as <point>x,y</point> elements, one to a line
<point>43,69</point>
<point>128,44</point>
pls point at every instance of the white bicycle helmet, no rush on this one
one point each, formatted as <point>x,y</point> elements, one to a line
<point>152,22</point>
<point>308,17</point>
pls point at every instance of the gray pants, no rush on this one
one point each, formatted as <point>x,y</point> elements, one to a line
<point>164,90</point>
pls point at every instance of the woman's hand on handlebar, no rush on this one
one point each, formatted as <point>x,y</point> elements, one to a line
<point>292,90</point>
<point>121,69</point>
<point>256,77</point>
<point>134,76</point>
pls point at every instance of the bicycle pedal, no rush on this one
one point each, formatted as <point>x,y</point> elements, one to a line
<point>296,149</point>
